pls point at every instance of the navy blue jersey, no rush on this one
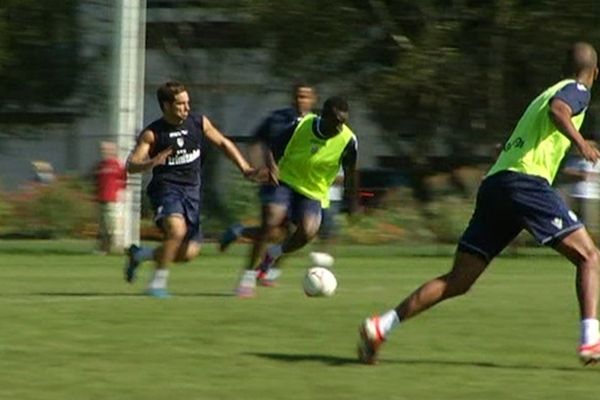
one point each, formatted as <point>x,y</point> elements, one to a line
<point>183,166</point>
<point>275,130</point>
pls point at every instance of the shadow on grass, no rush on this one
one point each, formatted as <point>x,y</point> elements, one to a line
<point>125,294</point>
<point>205,294</point>
<point>339,361</point>
<point>84,294</point>
<point>322,358</point>
<point>50,252</point>
<point>491,365</point>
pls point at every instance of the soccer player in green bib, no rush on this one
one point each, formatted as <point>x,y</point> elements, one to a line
<point>309,157</point>
<point>516,195</point>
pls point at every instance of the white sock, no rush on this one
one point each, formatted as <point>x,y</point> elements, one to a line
<point>275,251</point>
<point>249,277</point>
<point>159,281</point>
<point>144,254</point>
<point>388,321</point>
<point>590,332</point>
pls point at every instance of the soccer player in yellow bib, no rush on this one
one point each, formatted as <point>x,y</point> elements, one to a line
<point>516,195</point>
<point>312,153</point>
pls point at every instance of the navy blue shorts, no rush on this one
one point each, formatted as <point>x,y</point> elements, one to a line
<point>507,203</point>
<point>266,193</point>
<point>172,199</point>
<point>297,204</point>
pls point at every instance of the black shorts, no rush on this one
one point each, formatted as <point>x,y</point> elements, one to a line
<point>508,202</point>
<point>177,199</point>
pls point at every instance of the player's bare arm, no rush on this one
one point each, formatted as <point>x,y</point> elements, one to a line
<point>272,168</point>
<point>139,160</point>
<point>227,147</point>
<point>561,113</point>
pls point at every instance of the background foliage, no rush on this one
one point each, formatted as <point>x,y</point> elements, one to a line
<point>443,78</point>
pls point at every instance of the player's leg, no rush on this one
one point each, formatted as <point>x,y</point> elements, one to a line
<point>188,250</point>
<point>174,229</point>
<point>548,218</point>
<point>165,203</point>
<point>466,269</point>
<point>306,231</point>
<point>306,215</point>
<point>273,217</point>
<point>273,231</point>
<point>236,231</point>
<point>579,248</point>
<point>191,245</point>
<point>494,224</point>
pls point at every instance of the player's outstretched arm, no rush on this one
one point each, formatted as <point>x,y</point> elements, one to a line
<point>227,147</point>
<point>139,160</point>
<point>561,113</point>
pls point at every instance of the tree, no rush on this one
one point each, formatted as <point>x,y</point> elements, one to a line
<point>469,65</point>
<point>42,64</point>
<point>435,70</point>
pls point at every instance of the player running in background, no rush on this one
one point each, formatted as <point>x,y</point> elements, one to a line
<point>267,142</point>
<point>516,195</point>
<point>311,156</point>
<point>171,147</point>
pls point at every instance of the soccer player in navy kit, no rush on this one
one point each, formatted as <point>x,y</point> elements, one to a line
<point>516,195</point>
<point>172,148</point>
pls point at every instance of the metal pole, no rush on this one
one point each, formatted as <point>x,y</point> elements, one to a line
<point>127,110</point>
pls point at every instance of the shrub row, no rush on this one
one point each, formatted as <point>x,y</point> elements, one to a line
<point>66,209</point>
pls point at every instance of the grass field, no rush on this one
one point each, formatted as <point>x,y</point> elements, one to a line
<point>70,328</point>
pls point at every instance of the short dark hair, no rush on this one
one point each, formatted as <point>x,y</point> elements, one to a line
<point>167,92</point>
<point>302,85</point>
<point>335,103</point>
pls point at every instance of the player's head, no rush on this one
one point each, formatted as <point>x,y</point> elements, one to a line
<point>108,149</point>
<point>174,101</point>
<point>304,97</point>
<point>334,115</point>
<point>581,62</point>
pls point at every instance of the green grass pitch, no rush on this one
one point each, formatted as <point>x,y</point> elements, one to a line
<point>70,328</point>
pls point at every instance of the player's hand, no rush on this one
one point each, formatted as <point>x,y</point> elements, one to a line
<point>590,152</point>
<point>260,175</point>
<point>161,158</point>
<point>254,175</point>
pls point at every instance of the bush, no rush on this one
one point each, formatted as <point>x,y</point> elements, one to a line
<point>64,208</point>
<point>402,219</point>
<point>6,211</point>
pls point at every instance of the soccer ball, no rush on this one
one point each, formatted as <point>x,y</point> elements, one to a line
<point>319,282</point>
